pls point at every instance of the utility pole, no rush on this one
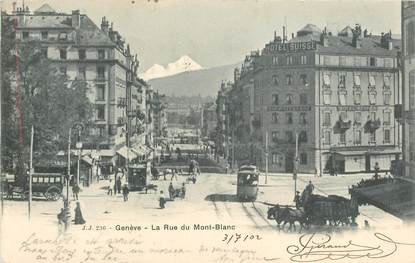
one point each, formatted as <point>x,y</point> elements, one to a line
<point>66,202</point>
<point>31,171</point>
<point>1,102</point>
<point>295,163</point>
<point>266,156</point>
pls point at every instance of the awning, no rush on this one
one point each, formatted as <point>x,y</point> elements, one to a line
<point>363,152</point>
<point>130,154</point>
<point>87,159</point>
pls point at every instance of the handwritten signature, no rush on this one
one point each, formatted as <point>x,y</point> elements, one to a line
<point>317,247</point>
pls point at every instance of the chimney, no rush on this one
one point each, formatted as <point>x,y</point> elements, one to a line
<point>292,35</point>
<point>105,25</point>
<point>76,19</point>
<point>324,40</point>
<point>284,36</point>
<point>275,35</point>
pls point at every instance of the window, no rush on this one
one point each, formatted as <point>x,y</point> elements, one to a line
<point>100,91</point>
<point>62,53</point>
<point>289,136</point>
<point>326,98</point>
<point>274,117</point>
<point>357,117</point>
<point>275,99</point>
<point>386,98</point>
<point>41,179</point>
<point>342,61</point>
<point>372,81</point>
<point>101,73</point>
<point>303,99</point>
<point>275,158</point>
<point>62,70</point>
<point>289,60</point>
<point>342,80</point>
<point>303,158</point>
<point>326,60</point>
<point>358,137</point>
<point>304,79</point>
<point>275,60</point>
<point>372,137</point>
<point>342,98</point>
<point>303,118</point>
<point>386,117</point>
<point>63,36</point>
<point>327,119</point>
<point>372,116</point>
<point>35,179</point>
<point>386,81</point>
<point>25,35</point>
<point>412,89</point>
<point>372,62</point>
<point>82,54</point>
<point>100,112</point>
<point>356,80</point>
<point>342,138</point>
<point>82,72</point>
<point>357,98</point>
<point>410,38</point>
<point>44,35</point>
<point>289,79</point>
<point>343,115</point>
<point>57,179</point>
<point>302,137</point>
<point>327,140</point>
<point>387,136</point>
<point>289,117</point>
<point>102,131</point>
<point>101,54</point>
<point>289,99</point>
<point>275,135</point>
<point>275,80</point>
<point>388,62</point>
<point>372,98</point>
<point>326,80</point>
<point>357,61</point>
<point>303,60</point>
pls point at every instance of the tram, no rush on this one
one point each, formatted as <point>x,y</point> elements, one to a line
<point>247,184</point>
<point>137,177</point>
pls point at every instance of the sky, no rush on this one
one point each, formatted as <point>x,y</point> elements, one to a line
<point>221,32</point>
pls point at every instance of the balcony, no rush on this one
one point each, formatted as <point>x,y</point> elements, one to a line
<point>372,125</point>
<point>341,126</point>
<point>121,102</point>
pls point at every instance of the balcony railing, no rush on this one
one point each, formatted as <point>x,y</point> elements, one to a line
<point>342,126</point>
<point>372,125</point>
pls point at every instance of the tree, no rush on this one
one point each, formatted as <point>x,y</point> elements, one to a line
<point>38,95</point>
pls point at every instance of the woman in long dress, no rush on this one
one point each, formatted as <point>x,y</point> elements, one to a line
<point>79,219</point>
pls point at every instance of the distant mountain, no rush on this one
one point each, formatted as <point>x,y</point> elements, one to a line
<point>183,64</point>
<point>204,82</point>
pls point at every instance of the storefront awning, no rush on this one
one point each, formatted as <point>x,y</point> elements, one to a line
<point>87,159</point>
<point>130,154</point>
<point>363,152</point>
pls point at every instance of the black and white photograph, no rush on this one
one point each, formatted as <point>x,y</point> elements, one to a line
<point>229,131</point>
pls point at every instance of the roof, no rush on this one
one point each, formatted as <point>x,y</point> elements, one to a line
<point>44,9</point>
<point>57,21</point>
<point>309,29</point>
<point>90,34</point>
<point>347,31</point>
<point>343,45</point>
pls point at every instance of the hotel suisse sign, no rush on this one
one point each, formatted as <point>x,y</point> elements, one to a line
<point>293,47</point>
<point>289,108</point>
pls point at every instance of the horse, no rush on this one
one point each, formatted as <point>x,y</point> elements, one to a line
<point>287,215</point>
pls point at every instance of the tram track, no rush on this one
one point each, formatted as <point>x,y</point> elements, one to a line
<point>248,214</point>
<point>261,215</point>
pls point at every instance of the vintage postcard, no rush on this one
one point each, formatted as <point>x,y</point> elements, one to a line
<point>230,131</point>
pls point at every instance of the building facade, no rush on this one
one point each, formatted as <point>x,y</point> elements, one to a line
<point>99,56</point>
<point>408,79</point>
<point>334,95</point>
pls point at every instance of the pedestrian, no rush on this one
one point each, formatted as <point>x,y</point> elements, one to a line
<point>61,217</point>
<point>75,191</point>
<point>109,192</point>
<point>115,187</point>
<point>171,191</point>
<point>79,219</point>
<point>173,174</point>
<point>377,168</point>
<point>227,168</point>
<point>119,184</point>
<point>125,192</point>
<point>162,200</point>
<point>183,190</point>
<point>310,187</point>
<point>297,199</point>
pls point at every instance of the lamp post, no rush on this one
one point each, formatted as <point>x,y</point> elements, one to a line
<point>79,127</point>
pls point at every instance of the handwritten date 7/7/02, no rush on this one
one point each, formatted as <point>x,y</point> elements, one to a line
<point>240,238</point>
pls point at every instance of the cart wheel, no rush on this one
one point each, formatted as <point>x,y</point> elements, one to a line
<point>53,193</point>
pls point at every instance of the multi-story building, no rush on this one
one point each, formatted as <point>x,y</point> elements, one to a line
<point>209,119</point>
<point>336,94</point>
<point>408,81</point>
<point>99,56</point>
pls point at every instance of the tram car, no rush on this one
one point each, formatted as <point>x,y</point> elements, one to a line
<point>247,184</point>
<point>49,185</point>
<point>137,177</point>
